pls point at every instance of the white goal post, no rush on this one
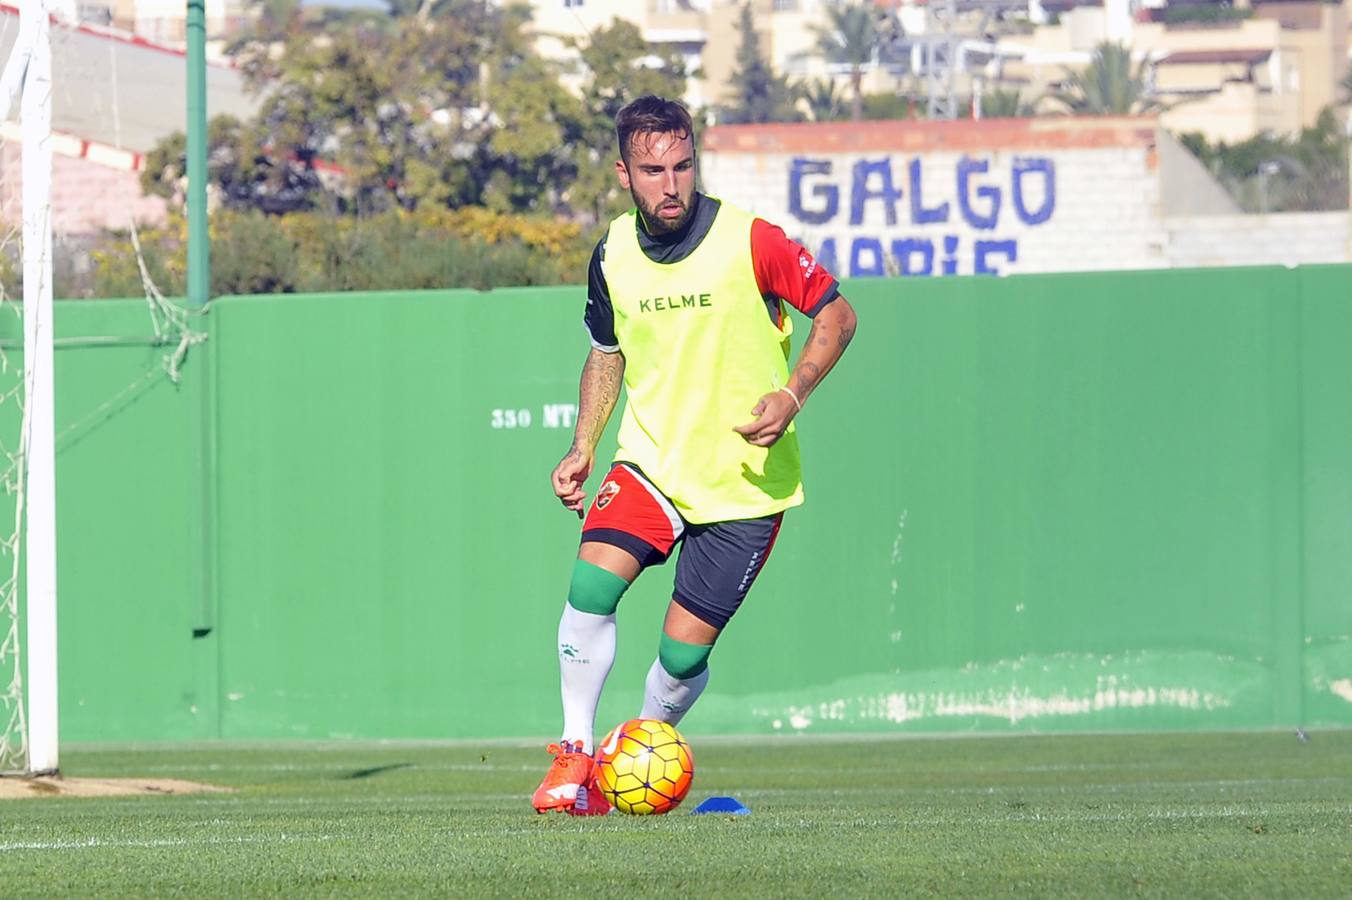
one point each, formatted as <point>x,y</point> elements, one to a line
<point>29,72</point>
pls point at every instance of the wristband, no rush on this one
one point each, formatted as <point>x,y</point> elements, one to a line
<point>796,402</point>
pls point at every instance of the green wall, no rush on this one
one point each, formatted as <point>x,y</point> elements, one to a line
<point>1076,502</point>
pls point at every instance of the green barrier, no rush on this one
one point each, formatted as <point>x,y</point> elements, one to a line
<point>1101,501</point>
<point>131,537</point>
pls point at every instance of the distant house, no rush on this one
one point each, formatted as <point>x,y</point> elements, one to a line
<point>1001,197</point>
<point>114,96</point>
<point>1229,79</point>
<point>1270,66</point>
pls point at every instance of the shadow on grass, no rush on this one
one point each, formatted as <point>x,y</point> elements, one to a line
<point>375,770</point>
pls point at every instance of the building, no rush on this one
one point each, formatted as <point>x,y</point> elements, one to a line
<point>165,21</point>
<point>114,97</point>
<point>679,26</point>
<point>1228,79</point>
<point>704,33</point>
<point>1271,66</point>
<point>1001,197</point>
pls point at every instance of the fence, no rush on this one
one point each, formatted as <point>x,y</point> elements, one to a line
<point>1065,502</point>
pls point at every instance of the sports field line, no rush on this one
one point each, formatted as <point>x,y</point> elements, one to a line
<point>917,822</point>
<point>197,771</point>
<point>94,843</point>
<point>916,792</point>
<point>538,742</point>
<point>204,772</point>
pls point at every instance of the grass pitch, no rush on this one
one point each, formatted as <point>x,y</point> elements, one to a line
<point>1209,815</point>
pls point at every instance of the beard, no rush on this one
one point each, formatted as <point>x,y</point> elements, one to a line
<point>658,225</point>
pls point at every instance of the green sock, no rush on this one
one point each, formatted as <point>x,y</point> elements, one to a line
<point>682,660</point>
<point>594,589</point>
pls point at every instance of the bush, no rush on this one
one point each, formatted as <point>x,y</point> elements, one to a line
<point>254,253</point>
<point>1276,173</point>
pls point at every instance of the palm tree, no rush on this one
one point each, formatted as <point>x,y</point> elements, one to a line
<point>1108,86</point>
<point>822,98</point>
<point>850,37</point>
<point>1002,103</point>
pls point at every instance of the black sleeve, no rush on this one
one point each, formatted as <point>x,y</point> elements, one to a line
<point>600,315</point>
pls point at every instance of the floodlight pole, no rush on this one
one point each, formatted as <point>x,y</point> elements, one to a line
<point>39,451</point>
<point>199,260</point>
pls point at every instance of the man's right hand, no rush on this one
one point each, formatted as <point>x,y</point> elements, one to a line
<point>569,477</point>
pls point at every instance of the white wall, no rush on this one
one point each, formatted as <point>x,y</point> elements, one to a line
<point>1285,239</point>
<point>1102,211</point>
<point>1106,213</point>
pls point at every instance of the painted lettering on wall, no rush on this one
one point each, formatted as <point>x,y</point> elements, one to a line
<point>920,216</point>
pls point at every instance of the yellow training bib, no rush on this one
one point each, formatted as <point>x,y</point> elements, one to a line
<point>700,350</point>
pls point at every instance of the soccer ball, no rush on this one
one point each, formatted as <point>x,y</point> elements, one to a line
<point>644,767</point>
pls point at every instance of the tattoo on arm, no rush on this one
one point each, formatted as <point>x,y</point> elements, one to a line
<point>602,375</point>
<point>805,377</point>
<point>831,333</point>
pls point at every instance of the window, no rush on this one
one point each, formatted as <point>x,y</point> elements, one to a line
<point>786,5</point>
<point>569,4</point>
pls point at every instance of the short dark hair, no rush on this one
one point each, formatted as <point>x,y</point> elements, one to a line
<point>651,115</point>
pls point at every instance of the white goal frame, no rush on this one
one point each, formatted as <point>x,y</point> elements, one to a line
<point>29,72</point>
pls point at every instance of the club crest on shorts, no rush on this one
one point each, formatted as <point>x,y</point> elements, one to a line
<point>609,491</point>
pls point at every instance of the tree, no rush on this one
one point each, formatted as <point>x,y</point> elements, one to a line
<point>823,99</point>
<point>760,94</point>
<point>444,105</point>
<point>1274,173</point>
<point>244,174</point>
<point>1108,86</point>
<point>275,19</point>
<point>620,67</point>
<point>530,156</point>
<point>395,108</point>
<point>849,37</point>
<point>1002,103</point>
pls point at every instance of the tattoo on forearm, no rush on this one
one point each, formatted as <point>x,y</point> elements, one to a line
<point>602,376</point>
<point>805,377</point>
<point>831,333</point>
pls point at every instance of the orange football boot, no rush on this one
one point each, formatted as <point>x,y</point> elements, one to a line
<point>569,773</point>
<point>590,801</point>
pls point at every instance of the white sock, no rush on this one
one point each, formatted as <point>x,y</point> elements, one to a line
<point>586,653</point>
<point>668,699</point>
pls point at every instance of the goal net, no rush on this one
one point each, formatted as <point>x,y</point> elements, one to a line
<point>83,99</point>
<point>28,690</point>
<point>13,726</point>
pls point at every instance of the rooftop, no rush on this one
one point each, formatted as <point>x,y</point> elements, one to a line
<point>113,88</point>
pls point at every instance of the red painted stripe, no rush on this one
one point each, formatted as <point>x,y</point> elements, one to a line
<point>936,136</point>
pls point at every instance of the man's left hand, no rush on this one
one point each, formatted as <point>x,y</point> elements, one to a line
<point>773,414</point>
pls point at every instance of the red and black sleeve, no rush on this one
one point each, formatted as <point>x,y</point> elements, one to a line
<point>787,271</point>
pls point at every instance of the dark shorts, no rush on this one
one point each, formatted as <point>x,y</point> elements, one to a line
<point>718,562</point>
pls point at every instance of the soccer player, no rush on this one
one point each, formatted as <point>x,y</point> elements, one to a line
<point>686,307</point>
